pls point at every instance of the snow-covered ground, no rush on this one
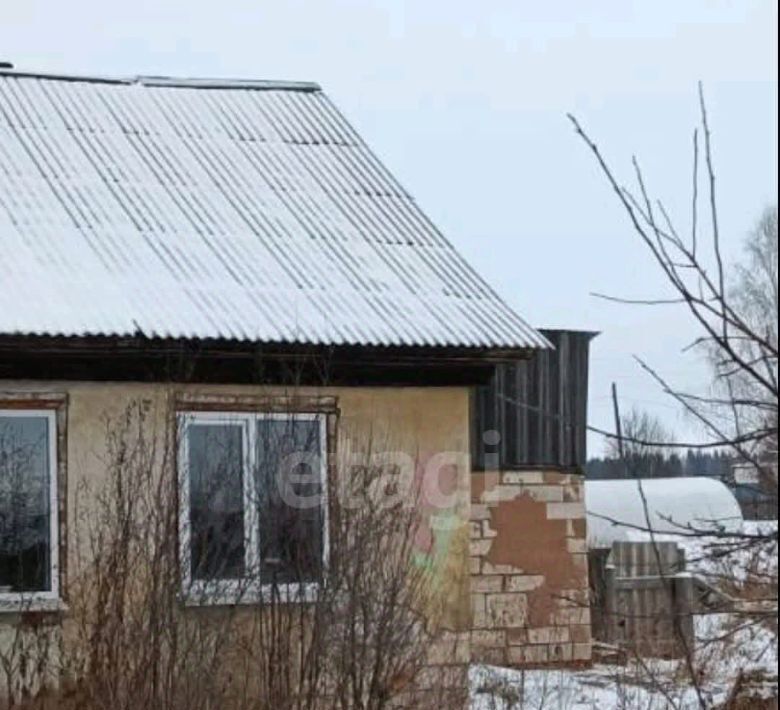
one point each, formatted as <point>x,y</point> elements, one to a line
<point>603,688</point>
<point>651,685</point>
<point>726,646</point>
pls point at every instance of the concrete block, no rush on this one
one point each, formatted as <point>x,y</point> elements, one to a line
<point>582,652</point>
<point>479,512</point>
<point>489,656</point>
<point>572,494</point>
<point>492,497</point>
<point>524,583</point>
<point>558,478</point>
<point>480,548</point>
<point>487,531</point>
<point>561,653</point>
<point>573,617</point>
<point>546,494</point>
<point>510,493</point>
<point>487,585</point>
<point>517,637</point>
<point>581,634</point>
<point>565,511</point>
<point>528,655</point>
<point>575,598</point>
<point>507,611</point>
<point>479,611</point>
<point>488,639</point>
<point>549,635</point>
<point>490,568</point>
<point>528,478</point>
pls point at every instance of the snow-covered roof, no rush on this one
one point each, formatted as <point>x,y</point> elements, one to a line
<point>219,209</point>
<point>617,510</point>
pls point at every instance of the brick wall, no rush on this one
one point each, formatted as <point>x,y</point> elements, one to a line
<point>529,570</point>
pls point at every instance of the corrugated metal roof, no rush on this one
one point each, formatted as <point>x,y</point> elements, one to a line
<point>219,209</point>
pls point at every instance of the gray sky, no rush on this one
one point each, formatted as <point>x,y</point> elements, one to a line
<point>466,103</point>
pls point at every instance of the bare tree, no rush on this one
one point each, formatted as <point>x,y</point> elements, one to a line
<point>753,289</point>
<point>733,312</point>
<point>734,317</point>
<point>640,459</point>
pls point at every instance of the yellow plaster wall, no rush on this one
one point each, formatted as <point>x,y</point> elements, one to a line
<point>419,422</point>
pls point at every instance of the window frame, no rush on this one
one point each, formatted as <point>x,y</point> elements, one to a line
<point>25,600</point>
<point>253,590</point>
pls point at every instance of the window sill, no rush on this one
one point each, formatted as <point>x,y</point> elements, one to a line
<point>13,604</point>
<point>204,596</point>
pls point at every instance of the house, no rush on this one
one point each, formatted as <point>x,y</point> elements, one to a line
<point>206,278</point>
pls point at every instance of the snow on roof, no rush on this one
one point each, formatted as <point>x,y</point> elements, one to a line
<point>199,208</point>
<point>672,504</point>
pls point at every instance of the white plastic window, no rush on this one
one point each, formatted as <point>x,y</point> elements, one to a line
<point>253,505</point>
<point>28,507</point>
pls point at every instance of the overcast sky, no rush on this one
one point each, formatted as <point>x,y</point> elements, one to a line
<point>466,102</point>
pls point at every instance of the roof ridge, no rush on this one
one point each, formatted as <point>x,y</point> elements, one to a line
<point>263,217</point>
<point>216,83</point>
<point>168,81</point>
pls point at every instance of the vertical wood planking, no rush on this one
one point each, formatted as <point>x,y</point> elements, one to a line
<point>539,406</point>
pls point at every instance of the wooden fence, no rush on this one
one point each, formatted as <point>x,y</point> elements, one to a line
<point>643,599</point>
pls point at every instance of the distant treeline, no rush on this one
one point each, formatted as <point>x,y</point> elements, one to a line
<point>657,465</point>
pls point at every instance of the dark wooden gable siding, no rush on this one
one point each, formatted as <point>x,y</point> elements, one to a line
<point>538,407</point>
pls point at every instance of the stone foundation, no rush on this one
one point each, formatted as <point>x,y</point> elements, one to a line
<point>529,570</point>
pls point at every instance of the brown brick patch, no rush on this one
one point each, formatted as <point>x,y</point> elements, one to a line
<point>529,570</point>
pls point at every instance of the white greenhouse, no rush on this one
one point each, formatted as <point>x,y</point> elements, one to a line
<point>625,510</point>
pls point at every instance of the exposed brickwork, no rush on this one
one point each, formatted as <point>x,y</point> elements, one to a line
<point>529,570</point>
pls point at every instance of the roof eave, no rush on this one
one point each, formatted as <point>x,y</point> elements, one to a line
<point>133,359</point>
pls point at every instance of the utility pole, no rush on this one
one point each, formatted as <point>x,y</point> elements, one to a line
<point>618,423</point>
